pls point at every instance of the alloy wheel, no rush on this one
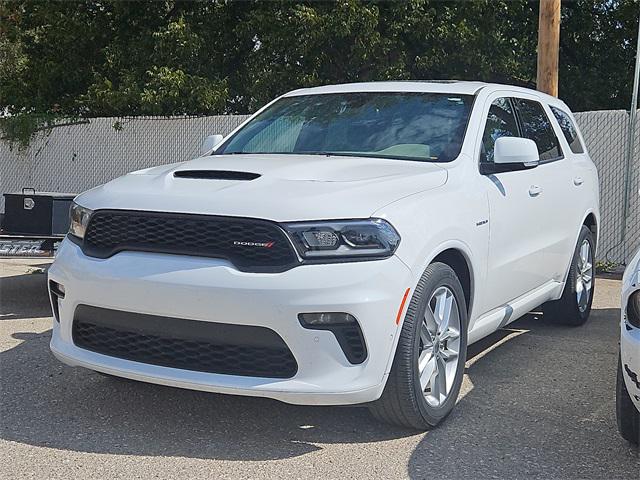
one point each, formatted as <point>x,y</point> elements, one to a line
<point>438,355</point>
<point>584,276</point>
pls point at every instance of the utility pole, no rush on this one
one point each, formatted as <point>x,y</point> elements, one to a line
<point>548,46</point>
<point>629,153</point>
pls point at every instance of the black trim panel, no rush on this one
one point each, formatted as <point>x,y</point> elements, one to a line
<point>195,345</point>
<point>215,175</point>
<point>349,337</point>
<point>55,294</point>
<point>490,168</point>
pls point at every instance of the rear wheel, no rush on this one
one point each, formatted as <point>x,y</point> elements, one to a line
<point>428,366</point>
<point>626,412</point>
<point>574,306</point>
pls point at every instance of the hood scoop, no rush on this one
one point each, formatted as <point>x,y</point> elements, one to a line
<point>216,175</point>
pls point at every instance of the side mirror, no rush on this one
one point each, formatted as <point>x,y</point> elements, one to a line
<point>210,142</point>
<point>516,150</point>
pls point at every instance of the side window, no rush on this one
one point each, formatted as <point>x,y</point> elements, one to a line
<point>537,127</point>
<point>501,122</point>
<point>568,130</point>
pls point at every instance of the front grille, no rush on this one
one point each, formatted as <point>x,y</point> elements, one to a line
<point>250,244</point>
<point>184,344</point>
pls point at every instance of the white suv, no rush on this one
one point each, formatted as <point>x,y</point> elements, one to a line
<point>628,381</point>
<point>344,245</point>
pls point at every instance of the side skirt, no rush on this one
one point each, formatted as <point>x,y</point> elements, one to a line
<point>502,316</point>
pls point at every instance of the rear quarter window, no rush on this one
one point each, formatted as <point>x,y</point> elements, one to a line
<point>568,130</point>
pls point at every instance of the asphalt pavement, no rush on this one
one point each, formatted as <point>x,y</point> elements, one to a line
<point>538,401</point>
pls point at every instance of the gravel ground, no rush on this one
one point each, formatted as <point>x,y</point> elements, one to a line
<point>538,402</point>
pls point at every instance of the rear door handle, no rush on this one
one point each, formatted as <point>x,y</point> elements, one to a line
<point>578,181</point>
<point>535,190</point>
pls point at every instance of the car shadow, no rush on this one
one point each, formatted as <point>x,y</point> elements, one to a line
<point>505,414</point>
<point>25,296</point>
<point>540,403</point>
<point>46,403</point>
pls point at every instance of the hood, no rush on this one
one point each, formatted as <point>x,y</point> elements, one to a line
<point>274,187</point>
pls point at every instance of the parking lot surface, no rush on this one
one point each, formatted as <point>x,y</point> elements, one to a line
<point>538,401</point>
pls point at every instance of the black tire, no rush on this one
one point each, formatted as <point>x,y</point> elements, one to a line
<point>402,402</point>
<point>627,414</point>
<point>566,310</point>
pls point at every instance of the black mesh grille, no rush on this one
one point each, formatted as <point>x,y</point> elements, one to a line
<point>185,344</point>
<point>250,244</point>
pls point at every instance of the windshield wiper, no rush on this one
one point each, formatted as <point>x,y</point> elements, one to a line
<point>257,153</point>
<point>341,154</point>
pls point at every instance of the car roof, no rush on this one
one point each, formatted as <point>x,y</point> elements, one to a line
<point>458,87</point>
<point>427,86</point>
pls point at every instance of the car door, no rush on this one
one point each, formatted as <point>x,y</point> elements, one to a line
<point>518,212</point>
<point>556,183</point>
<point>579,181</point>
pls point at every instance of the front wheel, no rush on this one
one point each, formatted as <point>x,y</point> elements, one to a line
<point>428,366</point>
<point>574,306</point>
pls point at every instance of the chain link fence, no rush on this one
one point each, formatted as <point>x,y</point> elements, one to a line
<point>77,157</point>
<point>605,133</point>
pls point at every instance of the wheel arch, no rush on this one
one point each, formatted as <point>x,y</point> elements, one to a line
<point>458,256</point>
<point>591,222</point>
<point>461,265</point>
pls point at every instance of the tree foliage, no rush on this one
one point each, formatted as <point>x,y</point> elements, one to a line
<point>109,58</point>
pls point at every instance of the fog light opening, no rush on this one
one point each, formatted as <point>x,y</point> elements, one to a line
<point>56,288</point>
<point>325,319</point>
<point>345,329</point>
<point>633,310</point>
<point>57,293</point>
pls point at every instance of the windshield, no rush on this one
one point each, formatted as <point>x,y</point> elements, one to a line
<point>409,126</point>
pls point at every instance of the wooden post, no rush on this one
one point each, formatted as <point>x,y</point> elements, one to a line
<point>548,46</point>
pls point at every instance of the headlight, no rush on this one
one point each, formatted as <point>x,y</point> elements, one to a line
<point>79,220</point>
<point>348,239</point>
<point>633,309</point>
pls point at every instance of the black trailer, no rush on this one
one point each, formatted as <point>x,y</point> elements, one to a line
<point>33,223</point>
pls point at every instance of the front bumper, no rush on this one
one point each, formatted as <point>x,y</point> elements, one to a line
<point>630,335</point>
<point>211,290</point>
<point>630,357</point>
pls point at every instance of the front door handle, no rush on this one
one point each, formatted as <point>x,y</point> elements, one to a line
<point>535,190</point>
<point>578,181</point>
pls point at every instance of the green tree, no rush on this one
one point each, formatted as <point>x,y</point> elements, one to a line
<point>597,53</point>
<point>111,58</point>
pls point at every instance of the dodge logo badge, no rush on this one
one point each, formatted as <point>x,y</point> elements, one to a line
<point>255,244</point>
